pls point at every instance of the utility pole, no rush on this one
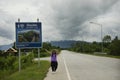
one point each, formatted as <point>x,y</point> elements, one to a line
<point>101,34</point>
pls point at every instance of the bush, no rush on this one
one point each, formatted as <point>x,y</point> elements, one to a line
<point>6,66</point>
<point>26,60</point>
<point>44,54</point>
<point>7,63</point>
<point>10,64</point>
<point>115,48</point>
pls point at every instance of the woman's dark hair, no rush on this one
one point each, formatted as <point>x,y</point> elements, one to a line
<point>54,52</point>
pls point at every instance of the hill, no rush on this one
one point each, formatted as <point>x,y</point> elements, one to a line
<point>6,47</point>
<point>63,43</point>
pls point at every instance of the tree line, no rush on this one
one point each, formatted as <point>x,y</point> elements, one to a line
<point>110,47</point>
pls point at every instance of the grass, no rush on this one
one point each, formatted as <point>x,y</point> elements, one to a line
<point>102,55</point>
<point>105,55</point>
<point>33,72</point>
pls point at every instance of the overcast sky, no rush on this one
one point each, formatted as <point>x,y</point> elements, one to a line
<point>62,19</point>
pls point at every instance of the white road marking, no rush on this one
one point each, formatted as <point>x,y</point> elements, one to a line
<point>68,74</point>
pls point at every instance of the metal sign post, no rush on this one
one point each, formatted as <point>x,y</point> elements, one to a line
<point>19,60</point>
<point>19,54</point>
<point>38,57</point>
<point>38,51</point>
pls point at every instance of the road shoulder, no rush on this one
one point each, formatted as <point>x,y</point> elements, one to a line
<point>60,74</point>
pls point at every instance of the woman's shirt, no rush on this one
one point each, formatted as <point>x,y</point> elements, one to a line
<point>54,57</point>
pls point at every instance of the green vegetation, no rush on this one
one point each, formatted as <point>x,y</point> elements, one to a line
<point>43,52</point>
<point>32,72</point>
<point>103,55</point>
<point>9,67</point>
<point>9,64</point>
<point>86,47</point>
<point>111,48</point>
<point>115,47</point>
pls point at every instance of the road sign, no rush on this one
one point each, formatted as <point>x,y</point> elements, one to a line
<point>28,35</point>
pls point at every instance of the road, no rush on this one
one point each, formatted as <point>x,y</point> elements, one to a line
<point>75,66</point>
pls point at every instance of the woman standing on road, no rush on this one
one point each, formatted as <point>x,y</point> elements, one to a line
<point>54,63</point>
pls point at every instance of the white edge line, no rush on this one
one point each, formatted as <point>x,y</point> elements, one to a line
<point>68,74</point>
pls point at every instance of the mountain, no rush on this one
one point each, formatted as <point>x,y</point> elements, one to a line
<point>6,47</point>
<point>63,43</point>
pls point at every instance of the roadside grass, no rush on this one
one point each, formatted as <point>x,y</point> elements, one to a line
<point>33,72</point>
<point>103,55</point>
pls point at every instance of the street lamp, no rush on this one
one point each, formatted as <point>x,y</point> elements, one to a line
<point>101,34</point>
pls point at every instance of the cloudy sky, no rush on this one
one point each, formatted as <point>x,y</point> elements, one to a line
<point>62,19</point>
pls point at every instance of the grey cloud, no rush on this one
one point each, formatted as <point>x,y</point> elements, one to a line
<point>115,31</point>
<point>64,19</point>
<point>71,14</point>
<point>6,25</point>
<point>7,33</point>
<point>4,33</point>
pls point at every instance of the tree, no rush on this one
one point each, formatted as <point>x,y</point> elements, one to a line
<point>107,39</point>
<point>106,43</point>
<point>116,38</point>
<point>96,47</point>
<point>115,47</point>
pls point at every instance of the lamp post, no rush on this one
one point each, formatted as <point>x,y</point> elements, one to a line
<point>101,34</point>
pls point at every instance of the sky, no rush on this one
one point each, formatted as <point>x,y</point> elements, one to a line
<point>62,19</point>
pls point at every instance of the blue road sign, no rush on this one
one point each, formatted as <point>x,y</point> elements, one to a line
<point>28,35</point>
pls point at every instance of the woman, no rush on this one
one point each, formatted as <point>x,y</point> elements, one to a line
<point>54,62</point>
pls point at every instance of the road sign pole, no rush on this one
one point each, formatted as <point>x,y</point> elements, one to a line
<point>38,57</point>
<point>38,50</point>
<point>19,54</point>
<point>19,60</point>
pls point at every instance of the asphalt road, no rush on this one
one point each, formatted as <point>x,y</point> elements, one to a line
<point>76,66</point>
